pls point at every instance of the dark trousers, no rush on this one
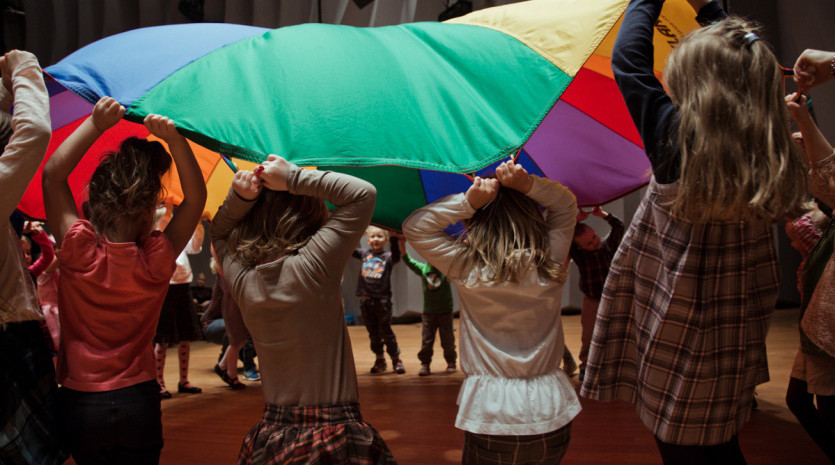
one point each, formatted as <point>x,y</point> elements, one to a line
<point>728,453</point>
<point>122,426</point>
<point>376,314</point>
<point>486,449</point>
<point>442,323</point>
<point>818,422</point>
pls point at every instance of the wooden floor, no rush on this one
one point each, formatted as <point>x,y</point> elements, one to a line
<point>415,415</point>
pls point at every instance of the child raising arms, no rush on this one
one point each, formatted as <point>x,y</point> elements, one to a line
<point>515,405</point>
<point>682,322</point>
<point>283,258</point>
<point>114,276</point>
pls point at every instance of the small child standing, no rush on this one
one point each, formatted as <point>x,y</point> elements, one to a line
<point>515,405</point>
<point>682,323</point>
<point>437,313</point>
<point>374,291</point>
<point>593,257</point>
<point>28,427</point>
<point>284,257</point>
<point>115,271</point>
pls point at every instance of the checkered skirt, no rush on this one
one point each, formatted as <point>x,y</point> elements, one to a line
<point>314,434</point>
<point>27,397</point>
<point>681,327</point>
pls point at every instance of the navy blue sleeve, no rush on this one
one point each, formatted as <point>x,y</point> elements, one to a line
<point>649,105</point>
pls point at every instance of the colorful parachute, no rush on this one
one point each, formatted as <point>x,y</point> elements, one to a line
<point>409,107</point>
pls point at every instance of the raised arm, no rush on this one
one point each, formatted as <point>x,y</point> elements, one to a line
<point>58,200</point>
<point>813,68</point>
<point>181,227</point>
<point>633,67</point>
<point>47,253</point>
<point>22,84</point>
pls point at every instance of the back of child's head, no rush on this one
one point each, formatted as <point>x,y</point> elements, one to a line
<point>506,238</point>
<point>127,183</point>
<point>279,223</point>
<point>738,158</point>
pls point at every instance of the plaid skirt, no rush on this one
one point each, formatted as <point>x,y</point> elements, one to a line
<point>27,397</point>
<point>681,326</point>
<point>314,434</point>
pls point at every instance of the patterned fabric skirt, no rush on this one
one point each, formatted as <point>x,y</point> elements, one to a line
<point>315,434</point>
<point>27,397</point>
<point>681,326</point>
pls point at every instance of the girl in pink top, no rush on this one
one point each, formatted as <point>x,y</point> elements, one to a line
<point>114,275</point>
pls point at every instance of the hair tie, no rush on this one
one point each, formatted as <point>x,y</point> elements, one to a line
<point>750,38</point>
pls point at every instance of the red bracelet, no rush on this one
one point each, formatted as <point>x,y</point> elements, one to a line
<point>832,66</point>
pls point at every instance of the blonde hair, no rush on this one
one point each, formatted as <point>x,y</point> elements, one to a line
<point>738,159</point>
<point>507,238</point>
<point>278,224</point>
<point>371,228</point>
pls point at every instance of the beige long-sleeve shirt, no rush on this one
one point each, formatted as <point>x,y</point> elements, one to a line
<point>293,305</point>
<point>20,160</point>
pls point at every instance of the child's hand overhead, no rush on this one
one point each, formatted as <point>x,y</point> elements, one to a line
<point>798,108</point>
<point>482,192</point>
<point>246,184</point>
<point>9,62</point>
<point>514,176</point>
<point>812,68</point>
<point>162,127</point>
<point>582,215</point>
<point>107,113</point>
<point>598,212</point>
<point>273,173</point>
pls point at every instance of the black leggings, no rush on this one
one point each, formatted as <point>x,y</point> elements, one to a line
<point>728,453</point>
<point>818,422</point>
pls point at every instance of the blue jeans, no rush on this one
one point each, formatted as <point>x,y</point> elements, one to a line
<point>121,426</point>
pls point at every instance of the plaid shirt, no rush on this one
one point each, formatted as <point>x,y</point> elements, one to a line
<point>594,264</point>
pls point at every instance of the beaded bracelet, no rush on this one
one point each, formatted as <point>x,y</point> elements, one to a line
<point>832,66</point>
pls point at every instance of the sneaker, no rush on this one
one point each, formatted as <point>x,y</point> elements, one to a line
<point>379,366</point>
<point>424,370</point>
<point>450,368</point>
<point>398,367</point>
<point>252,375</point>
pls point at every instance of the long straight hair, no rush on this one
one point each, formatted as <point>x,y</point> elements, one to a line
<point>278,224</point>
<point>506,238</point>
<point>738,160</point>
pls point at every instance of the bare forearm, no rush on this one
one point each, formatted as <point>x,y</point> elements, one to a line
<point>181,227</point>
<point>70,152</point>
<point>817,147</point>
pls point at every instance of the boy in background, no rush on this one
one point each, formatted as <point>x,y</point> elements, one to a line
<point>437,313</point>
<point>374,291</point>
<point>593,257</point>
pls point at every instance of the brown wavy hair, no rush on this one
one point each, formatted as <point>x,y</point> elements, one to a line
<point>127,183</point>
<point>499,234</point>
<point>278,224</point>
<point>738,160</point>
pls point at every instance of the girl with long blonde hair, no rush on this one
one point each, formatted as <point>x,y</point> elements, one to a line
<point>515,402</point>
<point>681,326</point>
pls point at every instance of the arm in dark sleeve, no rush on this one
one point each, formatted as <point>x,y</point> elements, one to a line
<point>648,103</point>
<point>395,250</point>
<point>616,233</point>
